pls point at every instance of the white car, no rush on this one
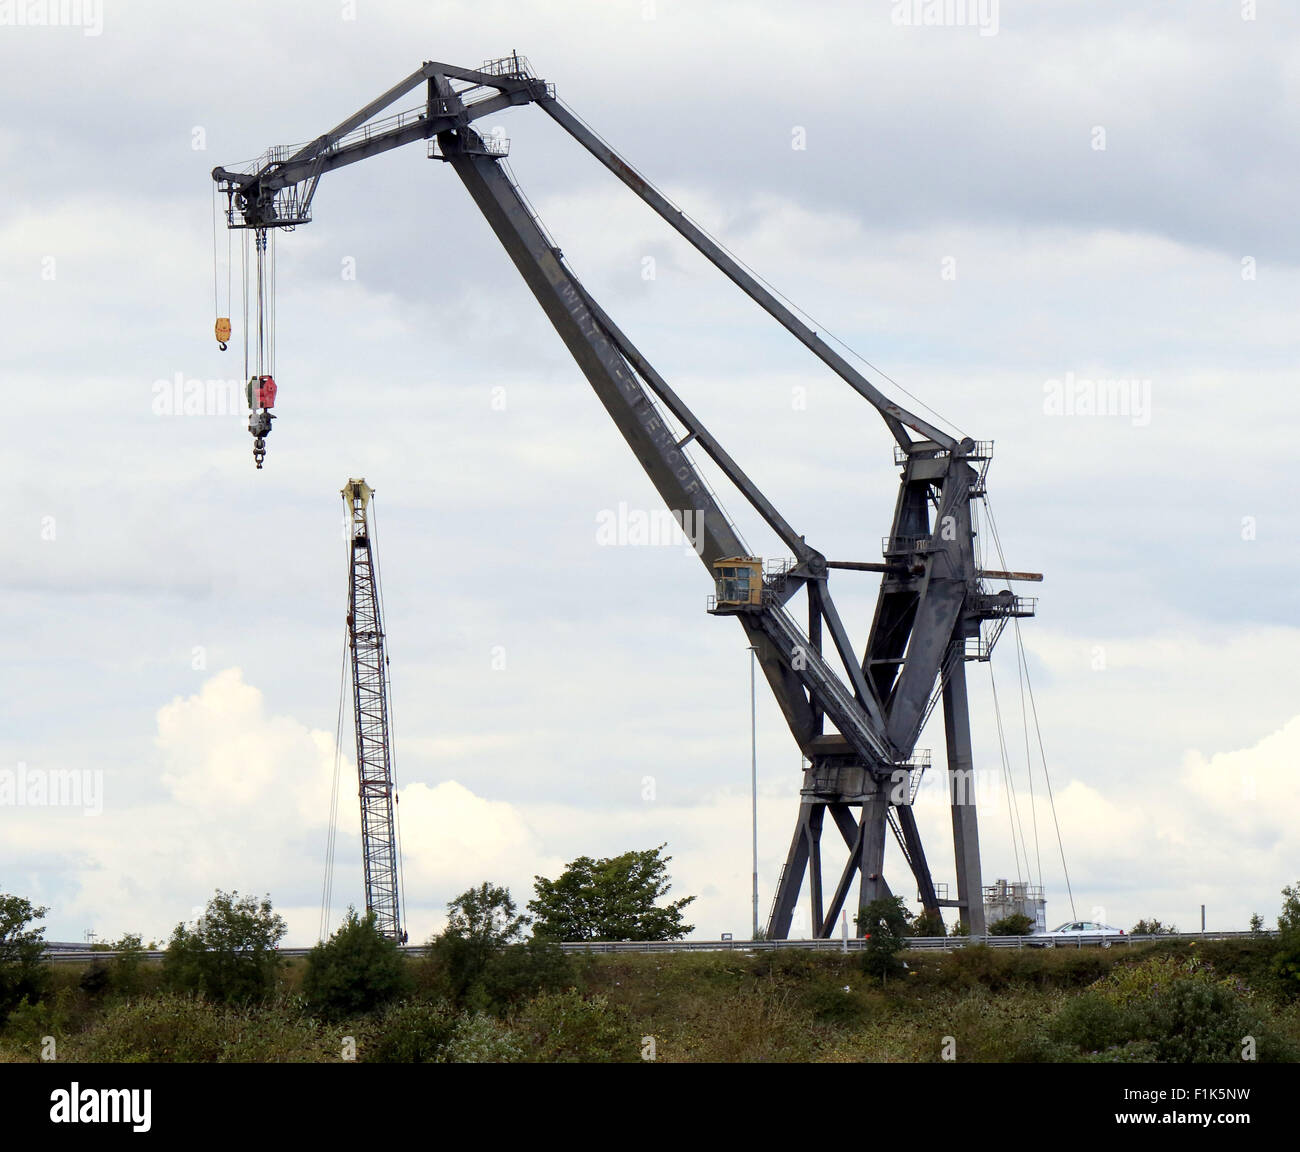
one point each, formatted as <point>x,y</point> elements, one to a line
<point>1077,932</point>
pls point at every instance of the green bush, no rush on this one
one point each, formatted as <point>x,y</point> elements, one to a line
<point>928,924</point>
<point>410,1032</point>
<point>480,979</point>
<point>1091,1022</point>
<point>1171,1010</point>
<point>167,1028</point>
<point>23,973</point>
<point>355,970</point>
<point>568,1028</point>
<point>1153,927</point>
<point>884,923</point>
<point>126,969</point>
<point>1003,1028</point>
<point>835,1004</point>
<point>521,971</point>
<point>230,954</point>
<point>95,979</point>
<point>1015,925</point>
<point>483,1039</point>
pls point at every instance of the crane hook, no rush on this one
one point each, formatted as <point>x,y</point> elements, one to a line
<point>261,397</point>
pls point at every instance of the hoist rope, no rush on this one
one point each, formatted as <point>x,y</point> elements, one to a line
<point>331,833</point>
<point>1022,665</point>
<point>244,277</point>
<point>260,245</point>
<point>1013,803</point>
<point>216,298</point>
<point>270,304</point>
<point>1029,765</point>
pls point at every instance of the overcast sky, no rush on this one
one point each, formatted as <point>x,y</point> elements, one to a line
<point>1028,196</point>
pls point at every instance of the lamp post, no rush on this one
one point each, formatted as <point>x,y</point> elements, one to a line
<point>753,770</point>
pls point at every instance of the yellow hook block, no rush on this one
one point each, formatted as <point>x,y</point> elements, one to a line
<point>223,331</point>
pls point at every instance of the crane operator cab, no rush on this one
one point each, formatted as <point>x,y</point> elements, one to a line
<point>739,584</point>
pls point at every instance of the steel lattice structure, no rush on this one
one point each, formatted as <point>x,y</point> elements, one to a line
<point>934,611</point>
<point>370,711</point>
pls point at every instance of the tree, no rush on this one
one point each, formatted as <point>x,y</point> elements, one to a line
<point>22,949</point>
<point>1286,960</point>
<point>1016,924</point>
<point>610,899</point>
<point>481,922</point>
<point>1289,920</point>
<point>1153,927</point>
<point>355,970</point>
<point>884,924</point>
<point>928,924</point>
<point>230,953</point>
<point>1256,924</point>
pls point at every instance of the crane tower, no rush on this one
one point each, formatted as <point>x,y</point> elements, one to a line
<point>379,847</point>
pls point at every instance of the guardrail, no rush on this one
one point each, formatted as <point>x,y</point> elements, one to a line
<point>916,943</point>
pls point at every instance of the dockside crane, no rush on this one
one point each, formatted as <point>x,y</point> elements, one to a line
<point>935,610</point>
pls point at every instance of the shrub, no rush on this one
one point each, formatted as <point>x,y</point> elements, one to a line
<point>525,970</point>
<point>483,1039</point>
<point>1002,1028</point>
<point>835,1004</point>
<point>481,923</point>
<point>355,970</point>
<point>928,924</point>
<point>1014,925</point>
<point>95,979</point>
<point>754,1024</point>
<point>1091,1022</point>
<point>1153,927</point>
<point>568,1028</point>
<point>230,954</point>
<point>125,970</point>
<point>1167,1009</point>
<point>166,1028</point>
<point>884,923</point>
<point>411,1032</point>
<point>23,974</point>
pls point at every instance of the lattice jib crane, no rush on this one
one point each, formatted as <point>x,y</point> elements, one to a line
<point>934,610</point>
<point>370,706</point>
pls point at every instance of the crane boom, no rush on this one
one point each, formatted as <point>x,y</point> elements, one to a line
<point>379,847</point>
<point>933,611</point>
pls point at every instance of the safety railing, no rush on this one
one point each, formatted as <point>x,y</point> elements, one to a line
<point>916,943</point>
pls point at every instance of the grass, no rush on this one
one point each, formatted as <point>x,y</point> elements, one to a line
<point>1170,1001</point>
